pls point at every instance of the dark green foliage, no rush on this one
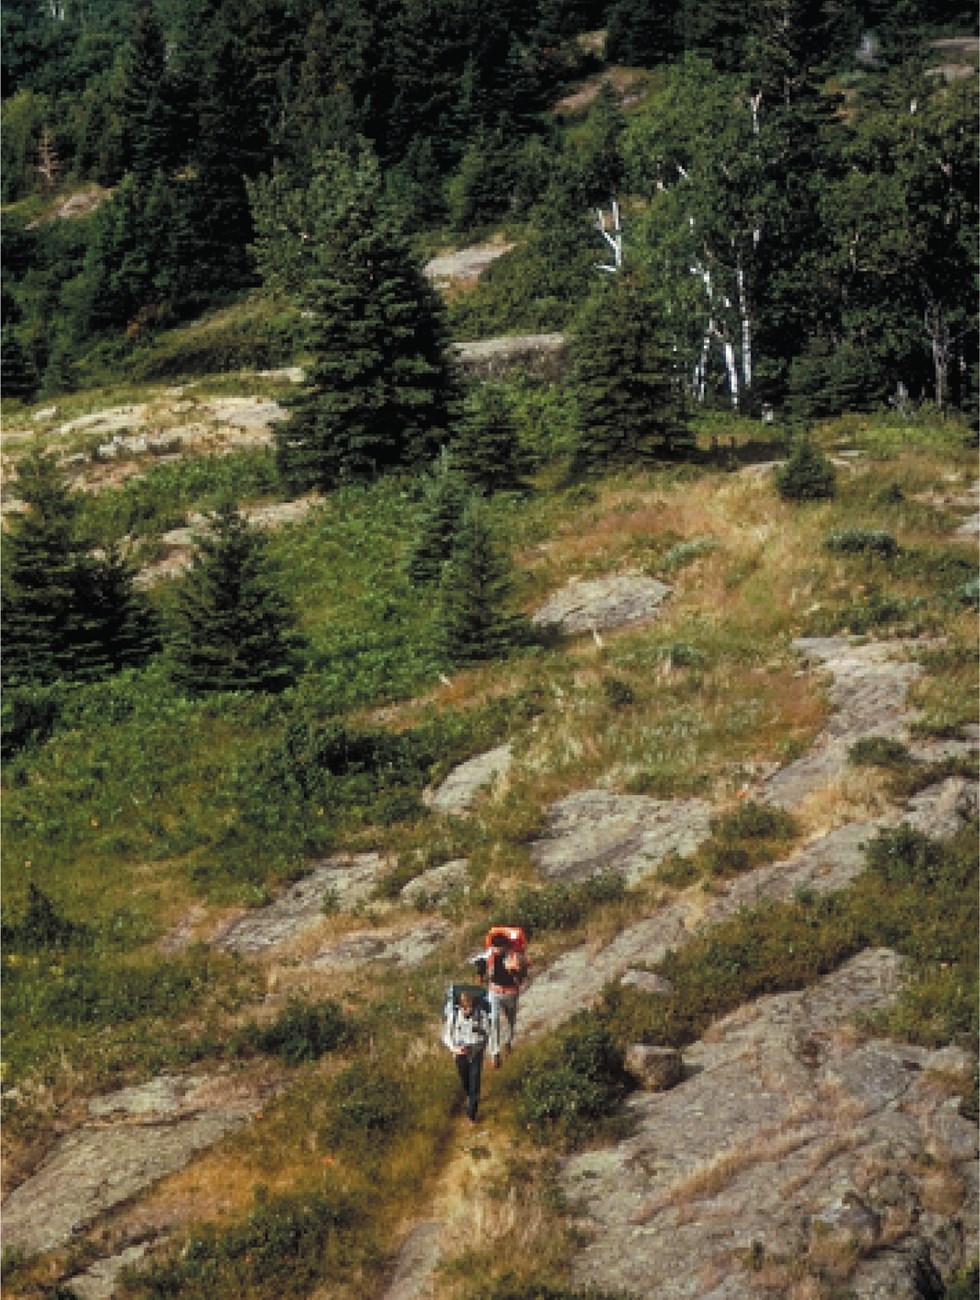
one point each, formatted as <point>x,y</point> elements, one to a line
<point>444,499</point>
<point>302,1032</point>
<point>379,389</point>
<point>286,1246</point>
<point>29,715</point>
<point>369,1107</point>
<point>808,475</point>
<point>485,448</point>
<point>965,1284</point>
<point>618,694</point>
<point>643,34</point>
<point>41,926</point>
<point>907,857</point>
<point>571,1083</point>
<point>67,613</point>
<point>626,381</point>
<point>476,620</point>
<point>862,541</point>
<point>878,751</point>
<point>560,906</point>
<point>233,630</point>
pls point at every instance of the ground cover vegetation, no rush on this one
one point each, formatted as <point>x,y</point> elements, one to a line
<point>799,237</point>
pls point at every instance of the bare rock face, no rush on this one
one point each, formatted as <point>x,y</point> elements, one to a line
<point>576,978</point>
<point>543,355</point>
<point>337,884</point>
<point>868,696</point>
<point>434,886</point>
<point>459,790</point>
<point>655,1069</point>
<point>647,982</point>
<point>602,603</point>
<point>133,1138</point>
<point>595,830</point>
<point>790,1138</point>
<point>400,948</point>
<point>99,1281</point>
<point>941,810</point>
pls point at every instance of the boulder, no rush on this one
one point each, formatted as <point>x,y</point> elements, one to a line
<point>655,1069</point>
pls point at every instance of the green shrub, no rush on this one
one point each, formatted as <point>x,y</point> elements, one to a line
<point>253,343</point>
<point>618,694</point>
<point>286,1246</point>
<point>862,541</point>
<point>300,1033</point>
<point>41,926</point>
<point>369,1107</point>
<point>965,1285</point>
<point>808,475</point>
<point>878,751</point>
<point>754,821</point>
<point>572,1083</point>
<point>560,906</point>
<point>905,856</point>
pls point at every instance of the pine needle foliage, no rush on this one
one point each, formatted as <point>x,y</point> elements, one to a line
<point>67,613</point>
<point>445,495</point>
<point>380,388</point>
<point>476,619</point>
<point>626,381</point>
<point>234,631</point>
<point>486,449</point>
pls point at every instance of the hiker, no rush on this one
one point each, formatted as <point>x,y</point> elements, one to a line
<point>506,968</point>
<point>465,1034</point>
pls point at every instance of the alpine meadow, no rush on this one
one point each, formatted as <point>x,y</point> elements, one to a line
<point>489,595</point>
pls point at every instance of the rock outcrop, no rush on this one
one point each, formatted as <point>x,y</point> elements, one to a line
<point>793,1142</point>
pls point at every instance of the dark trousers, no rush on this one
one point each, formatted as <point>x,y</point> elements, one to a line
<point>469,1067</point>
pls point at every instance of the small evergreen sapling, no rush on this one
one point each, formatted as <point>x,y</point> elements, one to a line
<point>486,449</point>
<point>808,475</point>
<point>443,506</point>
<point>476,621</point>
<point>234,630</point>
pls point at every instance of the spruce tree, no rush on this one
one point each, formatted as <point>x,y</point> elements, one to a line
<point>40,563</point>
<point>476,617</point>
<point>625,380</point>
<point>234,631</point>
<point>443,506</point>
<point>485,449</point>
<point>380,388</point>
<point>67,613</point>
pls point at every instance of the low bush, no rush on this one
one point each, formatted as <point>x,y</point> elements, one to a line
<point>255,342</point>
<point>571,1083</point>
<point>287,1246</point>
<point>369,1107</point>
<point>862,541</point>
<point>808,475</point>
<point>560,906</point>
<point>300,1033</point>
<point>41,926</point>
<point>878,751</point>
<point>685,553</point>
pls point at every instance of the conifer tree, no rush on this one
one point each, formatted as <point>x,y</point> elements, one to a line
<point>380,387</point>
<point>144,107</point>
<point>626,381</point>
<point>443,506</point>
<point>66,612</point>
<point>234,630</point>
<point>476,617</point>
<point>485,449</point>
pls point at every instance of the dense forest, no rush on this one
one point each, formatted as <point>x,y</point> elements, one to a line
<point>798,182</point>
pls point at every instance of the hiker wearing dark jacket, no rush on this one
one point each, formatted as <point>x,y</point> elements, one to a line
<point>465,1033</point>
<point>505,971</point>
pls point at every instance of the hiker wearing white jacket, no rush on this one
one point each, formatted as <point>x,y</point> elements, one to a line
<point>465,1032</point>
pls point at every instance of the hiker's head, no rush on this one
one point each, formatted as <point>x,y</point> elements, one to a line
<point>466,1002</point>
<point>500,942</point>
